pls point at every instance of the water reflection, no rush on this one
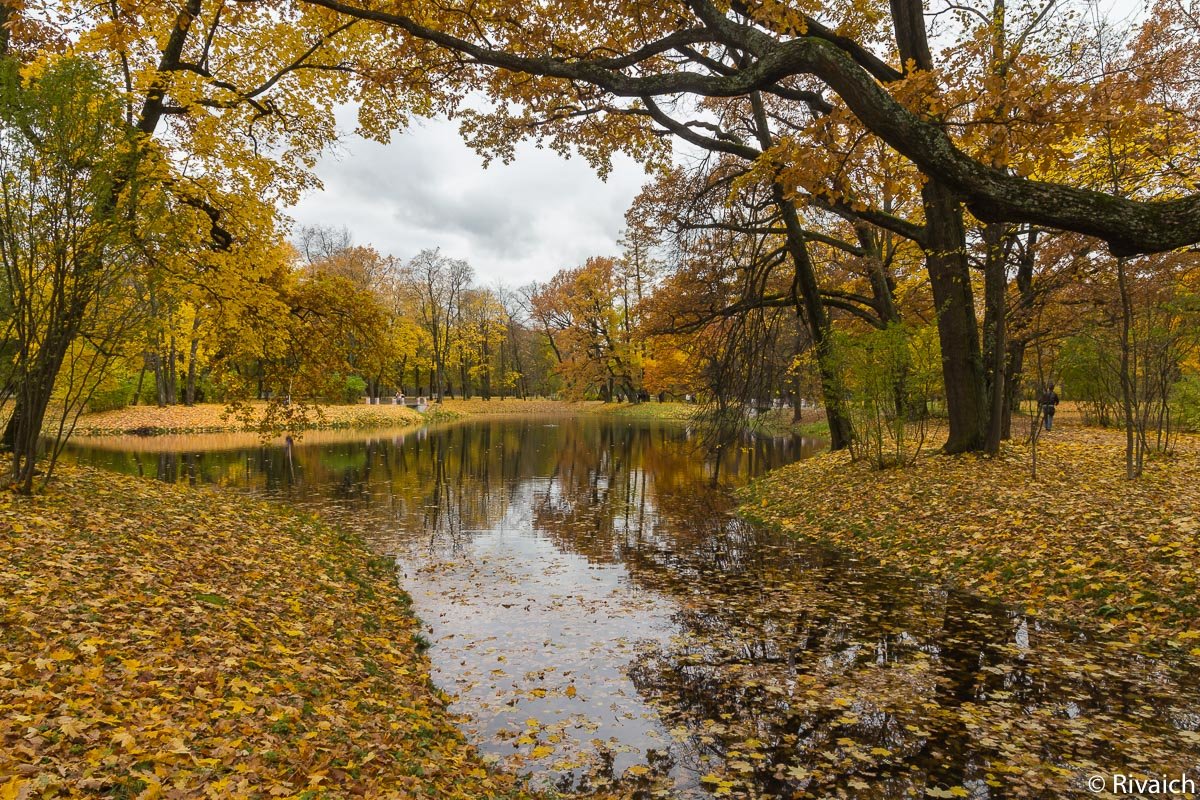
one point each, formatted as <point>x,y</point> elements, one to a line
<point>601,616</point>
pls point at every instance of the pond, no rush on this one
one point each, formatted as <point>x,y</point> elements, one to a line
<point>601,618</point>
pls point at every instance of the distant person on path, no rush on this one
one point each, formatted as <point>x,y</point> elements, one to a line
<point>1049,401</point>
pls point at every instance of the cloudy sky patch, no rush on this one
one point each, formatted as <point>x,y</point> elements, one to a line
<point>513,222</point>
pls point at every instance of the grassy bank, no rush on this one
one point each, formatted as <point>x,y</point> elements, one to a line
<point>779,423</point>
<point>511,406</point>
<point>678,412</point>
<point>213,418</point>
<point>1079,543</point>
<point>476,407</point>
<point>163,641</point>
<point>774,423</point>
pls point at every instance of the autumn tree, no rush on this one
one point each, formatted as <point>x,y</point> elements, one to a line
<point>67,247</point>
<point>663,52</point>
<point>583,315</point>
<point>925,110</point>
<point>438,283</point>
<point>479,343</point>
<point>243,99</point>
<point>802,237</point>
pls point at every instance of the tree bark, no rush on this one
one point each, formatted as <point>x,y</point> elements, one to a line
<point>1015,363</point>
<point>945,248</point>
<point>813,314</point>
<point>37,386</point>
<point>950,280</point>
<point>1013,369</point>
<point>1129,382</point>
<point>995,344</point>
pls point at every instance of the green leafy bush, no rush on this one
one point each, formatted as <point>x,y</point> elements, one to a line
<point>1185,403</point>
<point>353,389</point>
<point>889,378</point>
<point>1089,372</point>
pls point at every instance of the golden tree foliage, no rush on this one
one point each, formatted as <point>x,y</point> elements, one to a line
<point>581,312</point>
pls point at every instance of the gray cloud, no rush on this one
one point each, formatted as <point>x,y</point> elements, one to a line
<point>513,222</point>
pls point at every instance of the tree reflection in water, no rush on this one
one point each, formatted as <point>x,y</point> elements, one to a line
<point>601,616</point>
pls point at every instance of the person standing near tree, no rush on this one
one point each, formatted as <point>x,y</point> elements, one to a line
<point>1049,402</point>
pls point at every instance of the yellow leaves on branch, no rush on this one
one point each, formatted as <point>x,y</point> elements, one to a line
<point>149,650</point>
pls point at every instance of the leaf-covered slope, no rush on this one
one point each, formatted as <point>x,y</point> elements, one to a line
<point>158,641</point>
<point>1080,541</point>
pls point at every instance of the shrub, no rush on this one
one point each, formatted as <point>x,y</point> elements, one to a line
<point>1090,374</point>
<point>353,389</point>
<point>1185,403</point>
<point>887,379</point>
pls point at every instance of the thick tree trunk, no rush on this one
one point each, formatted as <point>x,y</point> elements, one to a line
<point>995,345</point>
<point>946,261</point>
<point>950,280</point>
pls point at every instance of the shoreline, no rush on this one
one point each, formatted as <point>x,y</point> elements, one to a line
<point>203,418</point>
<point>214,418</point>
<point>171,639</point>
<point>1079,545</point>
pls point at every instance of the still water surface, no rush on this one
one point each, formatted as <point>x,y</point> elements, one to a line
<point>601,617</point>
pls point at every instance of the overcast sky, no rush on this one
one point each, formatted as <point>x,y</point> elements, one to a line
<point>513,222</point>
